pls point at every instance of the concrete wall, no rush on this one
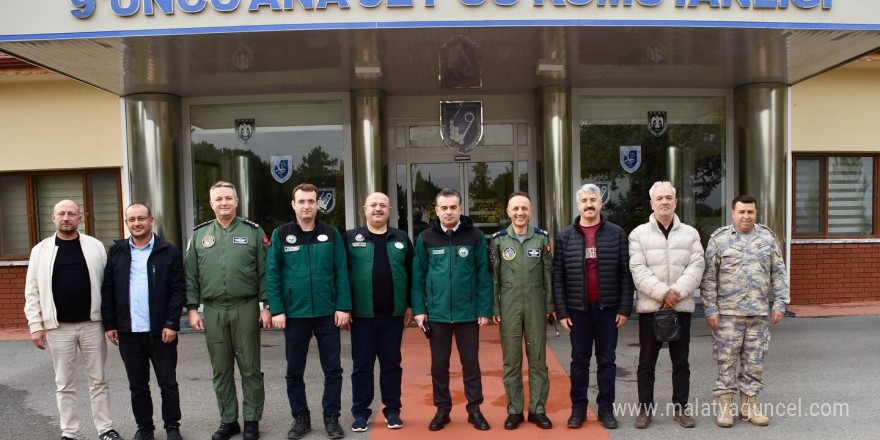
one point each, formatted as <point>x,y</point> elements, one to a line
<point>837,110</point>
<point>51,122</point>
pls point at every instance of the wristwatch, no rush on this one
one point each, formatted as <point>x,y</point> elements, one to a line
<point>265,306</point>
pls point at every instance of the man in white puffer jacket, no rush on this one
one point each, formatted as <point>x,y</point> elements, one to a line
<point>666,261</point>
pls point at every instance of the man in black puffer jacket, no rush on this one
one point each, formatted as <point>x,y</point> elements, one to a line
<point>593,289</point>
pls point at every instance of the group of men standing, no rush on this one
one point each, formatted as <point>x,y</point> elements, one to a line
<point>313,281</point>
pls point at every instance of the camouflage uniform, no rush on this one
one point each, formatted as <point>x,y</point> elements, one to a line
<point>743,274</point>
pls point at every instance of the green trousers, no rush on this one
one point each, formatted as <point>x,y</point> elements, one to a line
<point>233,333</point>
<point>521,321</point>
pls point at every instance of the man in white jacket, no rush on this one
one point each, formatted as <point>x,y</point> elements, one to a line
<point>62,303</point>
<point>666,261</point>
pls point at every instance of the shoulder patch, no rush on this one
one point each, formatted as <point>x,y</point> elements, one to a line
<point>770,231</point>
<point>542,232</point>
<point>720,230</point>
<point>500,233</point>
<point>250,223</point>
<point>203,225</point>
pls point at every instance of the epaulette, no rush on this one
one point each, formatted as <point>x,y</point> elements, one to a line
<point>768,229</point>
<point>499,233</point>
<point>718,231</point>
<point>541,231</point>
<point>250,223</point>
<point>203,225</point>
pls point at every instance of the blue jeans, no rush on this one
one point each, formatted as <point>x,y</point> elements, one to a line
<point>380,337</point>
<point>593,326</point>
<point>297,336</point>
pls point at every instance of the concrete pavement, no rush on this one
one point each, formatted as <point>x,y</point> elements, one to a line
<point>815,366</point>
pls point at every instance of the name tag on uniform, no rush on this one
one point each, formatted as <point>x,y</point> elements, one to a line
<point>438,252</point>
<point>359,244</point>
<point>239,240</point>
<point>291,248</point>
<point>533,253</point>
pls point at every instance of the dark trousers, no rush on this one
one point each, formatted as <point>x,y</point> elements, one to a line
<point>138,350</point>
<point>371,338</point>
<point>649,351</point>
<point>467,340</point>
<point>594,326</point>
<point>297,336</point>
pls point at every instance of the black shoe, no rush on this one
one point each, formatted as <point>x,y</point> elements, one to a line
<point>145,433</point>
<point>541,420</point>
<point>226,430</point>
<point>251,430</point>
<point>173,434</point>
<point>577,419</point>
<point>439,421</point>
<point>608,421</point>
<point>331,425</point>
<point>110,435</point>
<point>513,421</point>
<point>476,418</point>
<point>302,425</point>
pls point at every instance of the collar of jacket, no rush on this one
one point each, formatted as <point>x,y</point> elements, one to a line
<point>157,240</point>
<point>655,225</point>
<point>297,230</point>
<point>577,222</point>
<point>392,232</point>
<point>530,231</point>
<point>466,223</point>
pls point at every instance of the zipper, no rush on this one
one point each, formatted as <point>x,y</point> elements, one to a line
<point>309,259</point>
<point>451,271</point>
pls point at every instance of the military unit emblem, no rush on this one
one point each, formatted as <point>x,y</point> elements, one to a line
<point>631,158</point>
<point>281,167</point>
<point>245,129</point>
<point>657,123</point>
<point>508,254</point>
<point>461,125</point>
<point>208,241</point>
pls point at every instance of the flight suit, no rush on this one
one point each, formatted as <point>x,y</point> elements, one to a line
<point>224,271</point>
<point>523,297</point>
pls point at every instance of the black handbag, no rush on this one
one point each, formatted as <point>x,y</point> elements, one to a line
<point>666,326</point>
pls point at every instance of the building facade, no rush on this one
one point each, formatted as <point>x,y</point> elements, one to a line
<point>720,97</point>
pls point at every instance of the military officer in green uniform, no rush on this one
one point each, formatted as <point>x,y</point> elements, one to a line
<point>522,265</point>
<point>224,268</point>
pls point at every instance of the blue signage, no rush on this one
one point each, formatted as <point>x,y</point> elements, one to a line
<point>126,8</point>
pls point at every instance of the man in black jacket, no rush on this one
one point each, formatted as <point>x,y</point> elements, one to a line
<point>593,290</point>
<point>142,296</point>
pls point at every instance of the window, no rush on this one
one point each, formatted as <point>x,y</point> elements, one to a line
<point>834,196</point>
<point>291,143</point>
<point>690,154</point>
<point>27,201</point>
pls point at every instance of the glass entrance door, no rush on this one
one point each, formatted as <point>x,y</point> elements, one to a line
<point>484,187</point>
<point>485,177</point>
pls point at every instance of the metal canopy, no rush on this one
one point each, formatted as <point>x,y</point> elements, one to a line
<point>407,61</point>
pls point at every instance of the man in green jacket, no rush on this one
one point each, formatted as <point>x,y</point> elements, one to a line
<point>308,290</point>
<point>224,266</point>
<point>522,265</point>
<point>452,290</point>
<point>380,267</point>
